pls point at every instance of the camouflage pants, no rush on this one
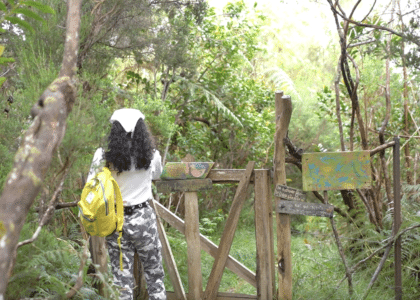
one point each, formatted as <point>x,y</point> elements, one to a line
<point>139,233</point>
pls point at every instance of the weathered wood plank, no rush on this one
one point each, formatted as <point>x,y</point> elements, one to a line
<point>207,245</point>
<point>185,185</point>
<point>220,296</point>
<point>288,193</point>
<point>263,235</point>
<point>227,175</point>
<point>228,234</point>
<point>304,208</point>
<point>169,258</point>
<point>192,235</point>
<point>284,252</point>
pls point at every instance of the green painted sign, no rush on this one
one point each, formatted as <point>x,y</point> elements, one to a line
<point>336,171</point>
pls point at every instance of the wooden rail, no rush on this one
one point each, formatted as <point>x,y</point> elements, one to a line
<point>263,278</point>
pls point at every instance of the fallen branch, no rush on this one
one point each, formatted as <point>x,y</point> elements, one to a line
<point>343,258</point>
<point>49,212</point>
<point>61,205</point>
<point>79,281</point>
<point>377,271</point>
<point>388,242</point>
<point>369,209</point>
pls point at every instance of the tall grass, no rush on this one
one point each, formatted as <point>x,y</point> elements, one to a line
<point>48,267</point>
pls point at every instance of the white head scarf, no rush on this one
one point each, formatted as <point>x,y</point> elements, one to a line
<point>128,118</point>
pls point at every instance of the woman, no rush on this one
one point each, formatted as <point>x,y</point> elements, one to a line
<point>134,162</point>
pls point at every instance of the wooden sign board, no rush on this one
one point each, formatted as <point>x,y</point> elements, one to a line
<point>186,185</point>
<point>186,170</point>
<point>336,171</point>
<point>304,208</point>
<point>288,193</point>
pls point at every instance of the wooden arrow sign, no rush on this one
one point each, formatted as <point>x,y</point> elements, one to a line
<point>288,193</point>
<point>304,208</point>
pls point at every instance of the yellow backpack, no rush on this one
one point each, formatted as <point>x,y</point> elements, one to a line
<point>100,196</point>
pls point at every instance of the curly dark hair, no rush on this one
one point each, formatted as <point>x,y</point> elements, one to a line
<point>119,152</point>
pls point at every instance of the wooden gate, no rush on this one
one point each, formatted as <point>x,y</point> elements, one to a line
<point>263,278</point>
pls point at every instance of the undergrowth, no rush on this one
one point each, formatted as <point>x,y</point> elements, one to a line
<point>48,267</point>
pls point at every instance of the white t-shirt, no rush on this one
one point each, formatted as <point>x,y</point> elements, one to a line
<point>135,185</point>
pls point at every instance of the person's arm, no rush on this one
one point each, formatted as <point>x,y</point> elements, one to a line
<point>156,165</point>
<point>97,164</point>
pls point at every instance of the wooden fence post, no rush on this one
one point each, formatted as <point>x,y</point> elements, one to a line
<point>284,255</point>
<point>264,235</point>
<point>192,235</point>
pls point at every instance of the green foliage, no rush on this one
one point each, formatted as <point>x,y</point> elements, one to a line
<point>206,85</point>
<point>46,268</point>
<point>210,223</point>
<point>23,8</point>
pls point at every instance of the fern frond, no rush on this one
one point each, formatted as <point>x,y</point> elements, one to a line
<point>246,60</point>
<point>29,13</point>
<point>281,80</point>
<point>41,7</point>
<point>21,23</point>
<point>211,98</point>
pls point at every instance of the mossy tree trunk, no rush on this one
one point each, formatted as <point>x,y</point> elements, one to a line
<point>38,146</point>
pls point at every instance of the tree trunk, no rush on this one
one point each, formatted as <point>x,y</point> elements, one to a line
<point>37,149</point>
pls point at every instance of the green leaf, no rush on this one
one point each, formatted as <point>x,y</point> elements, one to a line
<point>3,6</point>
<point>29,13</point>
<point>20,22</point>
<point>43,8</point>
<point>2,80</point>
<point>6,60</point>
<point>11,2</point>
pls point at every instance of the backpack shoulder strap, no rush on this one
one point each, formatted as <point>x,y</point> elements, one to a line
<point>119,204</point>
<point>120,216</point>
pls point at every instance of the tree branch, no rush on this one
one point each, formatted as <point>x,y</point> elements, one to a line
<point>338,107</point>
<point>381,148</point>
<point>378,27</point>
<point>340,249</point>
<point>38,146</point>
